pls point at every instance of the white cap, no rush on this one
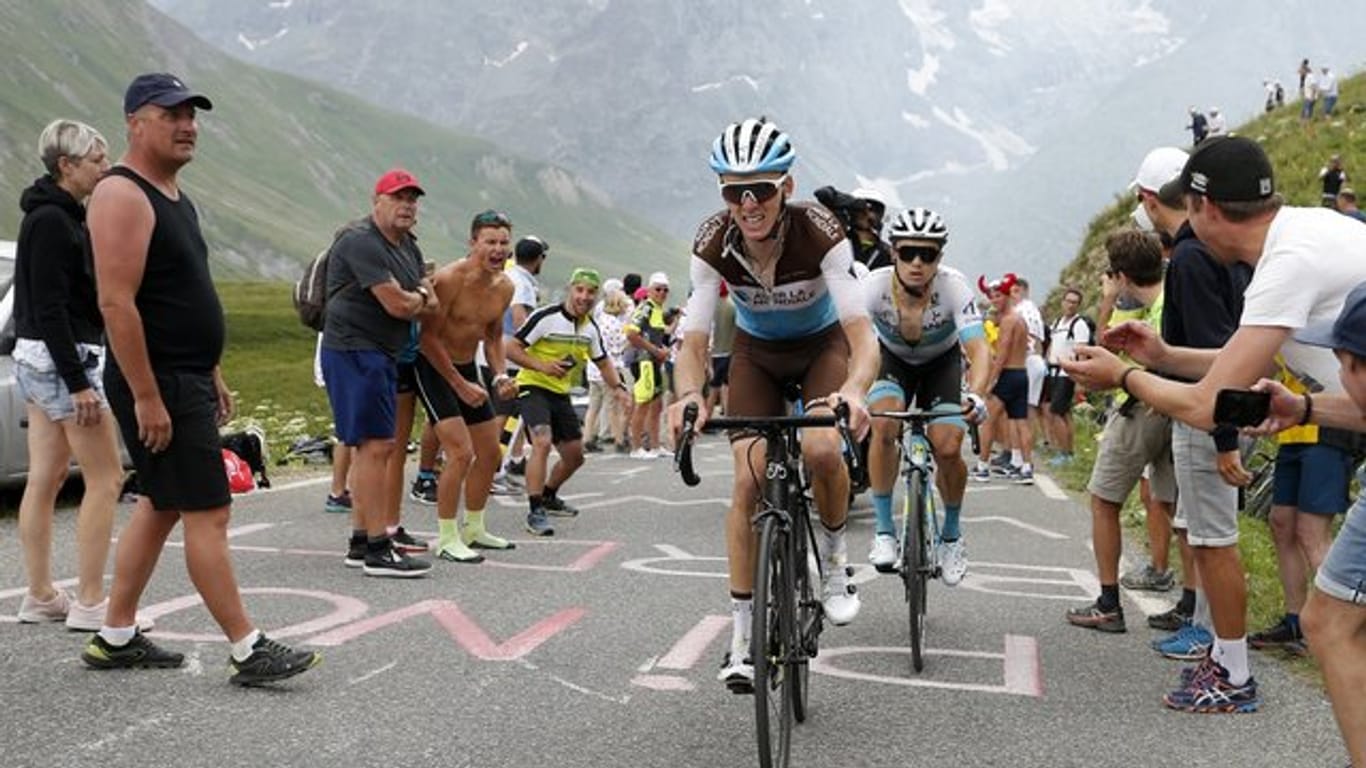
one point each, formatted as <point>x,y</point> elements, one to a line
<point>1160,166</point>
<point>658,278</point>
<point>611,284</point>
<point>871,195</point>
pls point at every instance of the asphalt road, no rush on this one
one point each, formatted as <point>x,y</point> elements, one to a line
<point>599,647</point>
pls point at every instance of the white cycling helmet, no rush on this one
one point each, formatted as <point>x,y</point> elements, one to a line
<point>871,195</point>
<point>752,146</point>
<point>918,224</point>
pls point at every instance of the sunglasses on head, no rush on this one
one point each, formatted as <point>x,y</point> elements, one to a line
<point>760,190</point>
<point>927,254</point>
<point>494,218</point>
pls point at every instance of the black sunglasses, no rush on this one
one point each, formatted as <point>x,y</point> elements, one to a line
<point>762,190</point>
<point>494,218</point>
<point>926,254</point>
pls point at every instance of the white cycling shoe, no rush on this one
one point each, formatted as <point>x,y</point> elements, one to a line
<point>953,561</point>
<point>883,553</point>
<point>840,598</point>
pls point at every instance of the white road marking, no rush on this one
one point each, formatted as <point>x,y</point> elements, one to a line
<point>243,530</point>
<point>1049,488</point>
<point>372,673</point>
<point>1020,670</point>
<point>1044,532</point>
<point>689,649</point>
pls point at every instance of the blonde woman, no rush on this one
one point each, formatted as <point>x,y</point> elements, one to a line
<point>610,319</point>
<point>59,360</point>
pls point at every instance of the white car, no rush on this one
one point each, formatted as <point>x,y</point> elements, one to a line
<point>13,441</point>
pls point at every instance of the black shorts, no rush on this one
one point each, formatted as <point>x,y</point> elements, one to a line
<point>441,402</point>
<point>542,407</point>
<point>1012,388</point>
<point>188,476</point>
<point>720,371</point>
<point>406,383</point>
<point>938,381</point>
<point>1062,392</point>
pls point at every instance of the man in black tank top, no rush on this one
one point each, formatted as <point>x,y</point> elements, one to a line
<point>166,389</point>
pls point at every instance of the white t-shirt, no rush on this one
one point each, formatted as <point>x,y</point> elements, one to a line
<point>1033,322</point>
<point>1311,259</point>
<point>1065,334</point>
<point>1328,85</point>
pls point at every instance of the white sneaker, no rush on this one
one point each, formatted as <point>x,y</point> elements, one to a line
<point>641,453</point>
<point>953,561</point>
<point>737,672</point>
<point>90,618</point>
<point>883,553</point>
<point>839,598</point>
<point>34,611</point>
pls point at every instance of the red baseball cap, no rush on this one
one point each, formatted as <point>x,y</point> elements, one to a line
<point>397,180</point>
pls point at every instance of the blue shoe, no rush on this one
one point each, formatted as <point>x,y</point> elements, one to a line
<point>1190,643</point>
<point>1061,460</point>
<point>1213,693</point>
<point>537,524</point>
<point>338,504</point>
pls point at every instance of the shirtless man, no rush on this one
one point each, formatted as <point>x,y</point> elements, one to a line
<point>1010,391</point>
<point>474,293</point>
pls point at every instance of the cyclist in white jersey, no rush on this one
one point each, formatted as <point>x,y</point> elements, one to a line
<point>925,315</point>
<point>799,319</point>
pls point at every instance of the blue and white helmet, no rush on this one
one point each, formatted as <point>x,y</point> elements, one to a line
<point>753,146</point>
<point>918,224</point>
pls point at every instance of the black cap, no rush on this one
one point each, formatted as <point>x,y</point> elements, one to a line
<point>530,248</point>
<point>161,89</point>
<point>1229,169</point>
<point>1347,332</point>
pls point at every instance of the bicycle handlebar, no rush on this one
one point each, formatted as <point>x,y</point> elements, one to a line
<point>927,417</point>
<point>769,425</point>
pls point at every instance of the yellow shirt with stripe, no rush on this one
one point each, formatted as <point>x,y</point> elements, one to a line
<point>1309,433</point>
<point>1150,315</point>
<point>551,334</point>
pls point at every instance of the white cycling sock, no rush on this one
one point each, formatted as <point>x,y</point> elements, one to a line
<point>833,549</point>
<point>241,650</point>
<point>742,614</point>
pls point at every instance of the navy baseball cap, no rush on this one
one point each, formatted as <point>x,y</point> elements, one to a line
<point>163,90</point>
<point>1347,332</point>
<point>1229,169</point>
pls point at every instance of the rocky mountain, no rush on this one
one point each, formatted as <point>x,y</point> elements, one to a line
<point>283,161</point>
<point>1014,116</point>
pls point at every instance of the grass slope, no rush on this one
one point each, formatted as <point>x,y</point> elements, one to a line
<point>283,161</point>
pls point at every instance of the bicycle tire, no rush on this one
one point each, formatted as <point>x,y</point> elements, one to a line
<point>806,632</point>
<point>770,647</point>
<point>914,567</point>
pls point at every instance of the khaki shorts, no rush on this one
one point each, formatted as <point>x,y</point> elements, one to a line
<point>1206,506</point>
<point>1128,444</point>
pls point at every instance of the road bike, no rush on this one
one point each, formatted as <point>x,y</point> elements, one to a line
<point>788,617</point>
<point>918,539</point>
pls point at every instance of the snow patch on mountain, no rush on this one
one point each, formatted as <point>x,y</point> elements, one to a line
<point>746,79</point>
<point>260,42</point>
<point>986,23</point>
<point>915,120</point>
<point>511,57</point>
<point>998,143</point>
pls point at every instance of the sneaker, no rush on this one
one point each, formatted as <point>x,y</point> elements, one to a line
<point>338,504</point>
<point>664,453</point>
<point>501,487</point>
<point>1021,475</point>
<point>138,653</point>
<point>457,552</point>
<point>558,507</point>
<point>981,473</point>
<point>355,553</point>
<point>737,672</point>
<point>1213,693</point>
<point>481,539</point>
<point>883,553</point>
<point>1148,579</point>
<point>404,542</point>
<point>1092,616</point>
<point>642,454</point>
<point>1281,635</point>
<point>393,564</point>
<point>1200,671</point>
<point>517,467</point>
<point>592,446</point>
<point>34,611</point>
<point>424,490</point>
<point>1000,463</point>
<point>1190,643</point>
<point>1061,460</point>
<point>953,561</point>
<point>839,598</point>
<point>1169,621</point>
<point>537,525</point>
<point>90,618</point>
<point>623,448</point>
<point>270,661</point>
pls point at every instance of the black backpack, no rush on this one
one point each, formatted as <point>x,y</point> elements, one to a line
<point>310,292</point>
<point>1072,328</point>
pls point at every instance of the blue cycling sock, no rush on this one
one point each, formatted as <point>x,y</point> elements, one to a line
<point>950,530</point>
<point>882,512</point>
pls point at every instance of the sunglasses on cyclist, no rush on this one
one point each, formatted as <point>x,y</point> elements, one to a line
<point>760,190</point>
<point>927,254</point>
<point>493,218</point>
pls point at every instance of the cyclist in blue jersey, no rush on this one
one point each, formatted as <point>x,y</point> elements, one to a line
<point>799,320</point>
<point>926,319</point>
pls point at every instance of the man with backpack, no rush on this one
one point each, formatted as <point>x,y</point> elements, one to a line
<point>1067,331</point>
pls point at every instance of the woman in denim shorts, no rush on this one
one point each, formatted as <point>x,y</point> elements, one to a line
<point>59,357</point>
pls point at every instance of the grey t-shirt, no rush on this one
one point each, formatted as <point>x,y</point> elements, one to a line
<point>360,259</point>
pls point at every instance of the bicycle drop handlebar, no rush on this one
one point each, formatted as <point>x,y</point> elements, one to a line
<point>768,425</point>
<point>928,417</point>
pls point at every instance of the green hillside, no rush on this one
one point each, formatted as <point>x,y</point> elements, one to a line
<point>1297,153</point>
<point>283,161</point>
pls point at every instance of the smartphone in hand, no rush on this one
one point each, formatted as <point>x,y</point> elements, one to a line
<point>1241,407</point>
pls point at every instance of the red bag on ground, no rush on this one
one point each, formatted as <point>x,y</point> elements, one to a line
<point>239,473</point>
